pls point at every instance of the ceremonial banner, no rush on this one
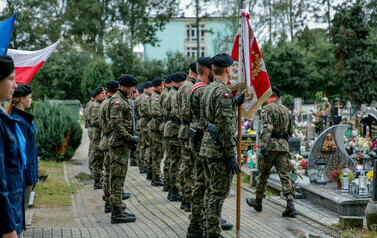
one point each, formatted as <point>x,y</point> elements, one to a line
<point>6,29</point>
<point>255,82</point>
<point>27,63</point>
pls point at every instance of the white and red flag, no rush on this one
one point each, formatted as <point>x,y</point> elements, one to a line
<point>255,82</point>
<point>27,63</point>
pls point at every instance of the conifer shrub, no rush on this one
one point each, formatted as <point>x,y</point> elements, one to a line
<point>58,132</point>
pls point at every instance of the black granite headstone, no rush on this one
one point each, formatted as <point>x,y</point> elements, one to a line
<point>248,143</point>
<point>294,145</point>
<point>334,152</point>
<point>371,122</point>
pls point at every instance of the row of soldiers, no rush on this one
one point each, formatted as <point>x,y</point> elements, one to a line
<point>192,120</point>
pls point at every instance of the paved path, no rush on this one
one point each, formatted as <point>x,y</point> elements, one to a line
<point>157,217</point>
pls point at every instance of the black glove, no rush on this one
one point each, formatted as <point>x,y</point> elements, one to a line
<point>233,165</point>
<point>212,129</point>
<point>240,99</point>
<point>263,152</point>
<point>135,139</point>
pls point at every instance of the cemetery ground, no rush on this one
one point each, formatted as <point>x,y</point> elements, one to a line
<point>66,205</point>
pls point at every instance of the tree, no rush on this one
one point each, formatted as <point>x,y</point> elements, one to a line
<point>355,62</point>
<point>60,77</point>
<point>95,75</point>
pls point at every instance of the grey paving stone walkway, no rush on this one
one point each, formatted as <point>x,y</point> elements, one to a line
<point>157,217</point>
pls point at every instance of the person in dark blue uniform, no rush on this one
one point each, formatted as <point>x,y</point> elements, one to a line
<point>20,101</point>
<point>12,158</point>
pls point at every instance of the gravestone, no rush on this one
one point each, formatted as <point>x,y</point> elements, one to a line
<point>329,146</point>
<point>371,123</point>
<point>248,143</point>
<point>294,145</point>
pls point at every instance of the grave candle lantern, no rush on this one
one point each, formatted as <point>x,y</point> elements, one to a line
<point>321,171</point>
<point>362,183</point>
<point>345,181</point>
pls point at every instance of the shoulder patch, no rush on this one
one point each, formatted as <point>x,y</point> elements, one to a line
<point>146,97</point>
<point>117,102</point>
<point>263,111</point>
<point>226,95</point>
<point>157,99</point>
<point>95,105</point>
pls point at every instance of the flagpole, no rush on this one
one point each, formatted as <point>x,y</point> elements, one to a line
<point>239,135</point>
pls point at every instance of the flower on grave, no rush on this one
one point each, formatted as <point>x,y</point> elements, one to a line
<point>258,145</point>
<point>251,132</point>
<point>355,132</point>
<point>255,150</point>
<point>370,175</point>
<point>41,171</point>
<point>336,176</point>
<point>303,164</point>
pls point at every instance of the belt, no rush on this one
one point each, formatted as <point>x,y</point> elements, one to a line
<point>93,126</point>
<point>185,123</point>
<point>279,136</point>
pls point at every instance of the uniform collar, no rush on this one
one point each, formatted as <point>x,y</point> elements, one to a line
<point>191,79</point>
<point>219,80</point>
<point>174,87</point>
<point>272,100</point>
<point>157,92</point>
<point>123,94</point>
<point>25,115</point>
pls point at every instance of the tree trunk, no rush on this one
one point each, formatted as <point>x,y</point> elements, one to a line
<point>291,18</point>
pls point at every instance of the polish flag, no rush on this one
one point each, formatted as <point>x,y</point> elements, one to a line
<point>27,63</point>
<point>255,82</point>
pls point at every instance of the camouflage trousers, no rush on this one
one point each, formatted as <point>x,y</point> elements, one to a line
<point>90,152</point>
<point>219,181</point>
<point>199,199</point>
<point>166,162</point>
<point>173,148</point>
<point>188,172</point>
<point>157,153</point>
<point>281,162</point>
<point>97,161</point>
<point>146,149</point>
<point>106,176</point>
<point>119,157</point>
<point>141,148</point>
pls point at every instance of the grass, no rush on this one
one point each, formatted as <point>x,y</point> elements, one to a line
<point>54,192</point>
<point>245,182</point>
<point>356,233</point>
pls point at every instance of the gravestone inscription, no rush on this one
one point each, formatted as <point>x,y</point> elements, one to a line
<point>329,147</point>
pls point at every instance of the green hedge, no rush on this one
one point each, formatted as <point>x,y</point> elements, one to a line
<point>58,132</point>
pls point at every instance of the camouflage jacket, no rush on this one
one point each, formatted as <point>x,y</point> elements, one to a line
<point>183,102</point>
<point>85,115</point>
<point>195,97</point>
<point>218,106</point>
<point>120,119</point>
<point>144,109</point>
<point>276,120</point>
<point>154,124</point>
<point>164,113</point>
<point>94,118</point>
<point>172,124</point>
<point>137,114</point>
<point>104,123</point>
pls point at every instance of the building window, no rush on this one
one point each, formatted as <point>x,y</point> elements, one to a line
<point>191,32</point>
<point>191,52</point>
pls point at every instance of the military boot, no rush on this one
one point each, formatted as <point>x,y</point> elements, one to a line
<point>149,174</point>
<point>175,197</point>
<point>125,196</point>
<point>165,188</point>
<point>194,230</point>
<point>133,163</point>
<point>225,225</point>
<point>255,203</point>
<point>143,170</point>
<point>290,211</point>
<point>97,185</point>
<point>121,217</point>
<point>183,204</point>
<point>157,182</point>
<point>188,207</point>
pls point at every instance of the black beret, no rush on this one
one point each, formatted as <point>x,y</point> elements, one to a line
<point>112,86</point>
<point>169,78</point>
<point>179,77</point>
<point>22,90</point>
<point>222,60</point>
<point>97,91</point>
<point>127,80</point>
<point>275,90</point>
<point>157,82</point>
<point>206,61</point>
<point>193,67</point>
<point>147,85</point>
<point>6,66</point>
<point>141,90</point>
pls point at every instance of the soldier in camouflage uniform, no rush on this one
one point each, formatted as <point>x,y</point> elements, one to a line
<point>173,148</point>
<point>134,155</point>
<point>145,117</point>
<point>274,151</point>
<point>87,109</point>
<point>183,96</point>
<point>218,108</point>
<point>164,114</point>
<point>111,88</point>
<point>97,155</point>
<point>120,121</point>
<point>138,129</point>
<point>156,135</point>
